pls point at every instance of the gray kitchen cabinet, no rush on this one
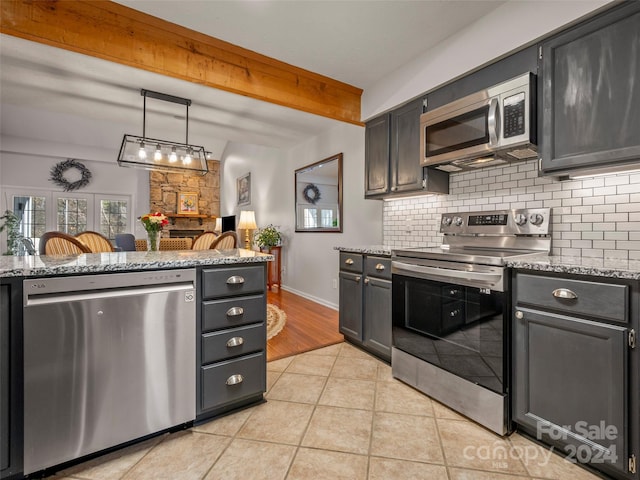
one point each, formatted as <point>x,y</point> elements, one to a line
<point>231,347</point>
<point>392,155</point>
<point>575,370</point>
<point>365,302</point>
<point>11,431</point>
<point>376,153</point>
<point>406,172</point>
<point>590,104</point>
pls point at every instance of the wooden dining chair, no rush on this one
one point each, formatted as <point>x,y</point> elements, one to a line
<point>96,242</point>
<point>204,241</point>
<point>59,243</point>
<point>225,241</point>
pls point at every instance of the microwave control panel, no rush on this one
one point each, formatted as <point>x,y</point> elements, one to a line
<point>514,111</point>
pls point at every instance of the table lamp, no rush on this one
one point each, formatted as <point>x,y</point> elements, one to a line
<point>247,222</point>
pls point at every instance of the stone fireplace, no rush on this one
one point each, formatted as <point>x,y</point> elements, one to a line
<point>163,197</point>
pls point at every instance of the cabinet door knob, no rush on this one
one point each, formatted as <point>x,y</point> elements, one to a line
<point>519,315</point>
<point>234,379</point>
<point>366,281</point>
<point>564,293</point>
<point>379,267</point>
<point>235,342</point>
<point>235,311</point>
<point>358,279</point>
<point>348,261</point>
<point>235,280</point>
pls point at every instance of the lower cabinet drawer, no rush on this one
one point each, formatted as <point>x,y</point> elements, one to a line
<point>225,282</point>
<point>230,381</point>
<point>233,312</point>
<point>233,343</point>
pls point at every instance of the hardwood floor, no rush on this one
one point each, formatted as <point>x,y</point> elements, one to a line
<point>309,326</point>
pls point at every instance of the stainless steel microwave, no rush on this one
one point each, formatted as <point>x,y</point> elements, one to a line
<point>486,128</point>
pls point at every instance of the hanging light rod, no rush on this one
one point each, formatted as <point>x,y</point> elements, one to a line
<point>162,155</point>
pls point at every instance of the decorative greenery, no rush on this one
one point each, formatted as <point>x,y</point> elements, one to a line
<point>268,237</point>
<point>311,193</point>
<point>59,169</point>
<point>11,223</point>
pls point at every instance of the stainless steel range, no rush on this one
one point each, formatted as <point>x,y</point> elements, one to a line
<point>451,310</point>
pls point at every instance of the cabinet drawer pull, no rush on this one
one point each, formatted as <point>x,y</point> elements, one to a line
<point>348,261</point>
<point>234,379</point>
<point>379,267</point>
<point>235,342</point>
<point>235,311</point>
<point>235,280</point>
<point>564,293</point>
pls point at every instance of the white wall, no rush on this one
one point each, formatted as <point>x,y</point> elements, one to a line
<point>510,26</point>
<point>309,259</point>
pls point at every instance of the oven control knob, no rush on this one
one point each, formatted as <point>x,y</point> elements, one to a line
<point>446,221</point>
<point>536,219</point>
<point>457,221</point>
<point>520,219</point>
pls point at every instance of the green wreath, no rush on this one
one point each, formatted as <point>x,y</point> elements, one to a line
<point>311,193</point>
<point>59,169</point>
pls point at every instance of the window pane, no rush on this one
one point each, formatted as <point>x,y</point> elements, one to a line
<point>71,215</point>
<point>327,218</point>
<point>310,218</point>
<point>113,217</point>
<point>32,214</point>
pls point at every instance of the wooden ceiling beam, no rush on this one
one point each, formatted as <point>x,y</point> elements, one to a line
<point>113,32</point>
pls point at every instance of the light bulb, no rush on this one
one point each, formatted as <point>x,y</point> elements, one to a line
<point>173,157</point>
<point>142,153</point>
<point>158,155</point>
<point>187,157</point>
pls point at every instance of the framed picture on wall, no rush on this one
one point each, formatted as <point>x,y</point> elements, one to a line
<point>187,203</point>
<point>243,185</point>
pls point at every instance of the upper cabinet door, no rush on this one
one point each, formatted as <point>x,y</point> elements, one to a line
<point>591,94</point>
<point>376,152</point>
<point>406,171</point>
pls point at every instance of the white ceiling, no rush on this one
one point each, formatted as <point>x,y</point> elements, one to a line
<point>358,42</point>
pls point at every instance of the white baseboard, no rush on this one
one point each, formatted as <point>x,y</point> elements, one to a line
<point>321,301</point>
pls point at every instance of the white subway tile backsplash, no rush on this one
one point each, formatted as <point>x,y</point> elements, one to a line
<point>592,217</point>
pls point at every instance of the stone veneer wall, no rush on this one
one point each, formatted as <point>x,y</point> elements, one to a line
<point>591,217</point>
<point>163,195</point>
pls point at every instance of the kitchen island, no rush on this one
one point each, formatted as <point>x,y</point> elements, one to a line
<point>126,345</point>
<point>39,266</point>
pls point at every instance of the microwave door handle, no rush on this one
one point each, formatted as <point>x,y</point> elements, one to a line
<point>493,122</point>
<point>443,272</point>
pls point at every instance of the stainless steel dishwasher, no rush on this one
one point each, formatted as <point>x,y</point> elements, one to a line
<point>107,359</point>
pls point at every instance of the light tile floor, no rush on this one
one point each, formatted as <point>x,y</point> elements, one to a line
<point>333,413</point>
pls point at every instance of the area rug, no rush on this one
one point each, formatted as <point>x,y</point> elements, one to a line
<point>276,320</point>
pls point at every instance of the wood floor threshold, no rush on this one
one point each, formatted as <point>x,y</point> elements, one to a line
<point>309,326</point>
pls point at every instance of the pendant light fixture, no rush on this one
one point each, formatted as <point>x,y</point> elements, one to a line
<point>162,155</point>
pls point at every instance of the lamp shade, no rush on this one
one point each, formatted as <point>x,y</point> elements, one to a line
<point>247,220</point>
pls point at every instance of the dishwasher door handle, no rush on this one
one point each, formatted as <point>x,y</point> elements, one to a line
<point>35,299</point>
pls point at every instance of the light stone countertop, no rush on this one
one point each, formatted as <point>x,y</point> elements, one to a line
<point>379,250</point>
<point>599,267</point>
<point>37,266</point>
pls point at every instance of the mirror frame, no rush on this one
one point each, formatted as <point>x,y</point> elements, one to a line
<point>299,171</point>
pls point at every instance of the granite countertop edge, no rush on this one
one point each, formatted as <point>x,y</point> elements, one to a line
<point>380,250</point>
<point>598,267</point>
<point>36,266</point>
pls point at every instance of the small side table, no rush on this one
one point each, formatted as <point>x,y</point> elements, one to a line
<point>274,268</point>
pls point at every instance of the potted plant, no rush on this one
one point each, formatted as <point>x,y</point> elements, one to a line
<point>268,237</point>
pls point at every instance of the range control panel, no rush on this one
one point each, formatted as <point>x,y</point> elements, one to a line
<point>522,221</point>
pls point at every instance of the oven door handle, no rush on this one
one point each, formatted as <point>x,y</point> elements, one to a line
<point>492,278</point>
